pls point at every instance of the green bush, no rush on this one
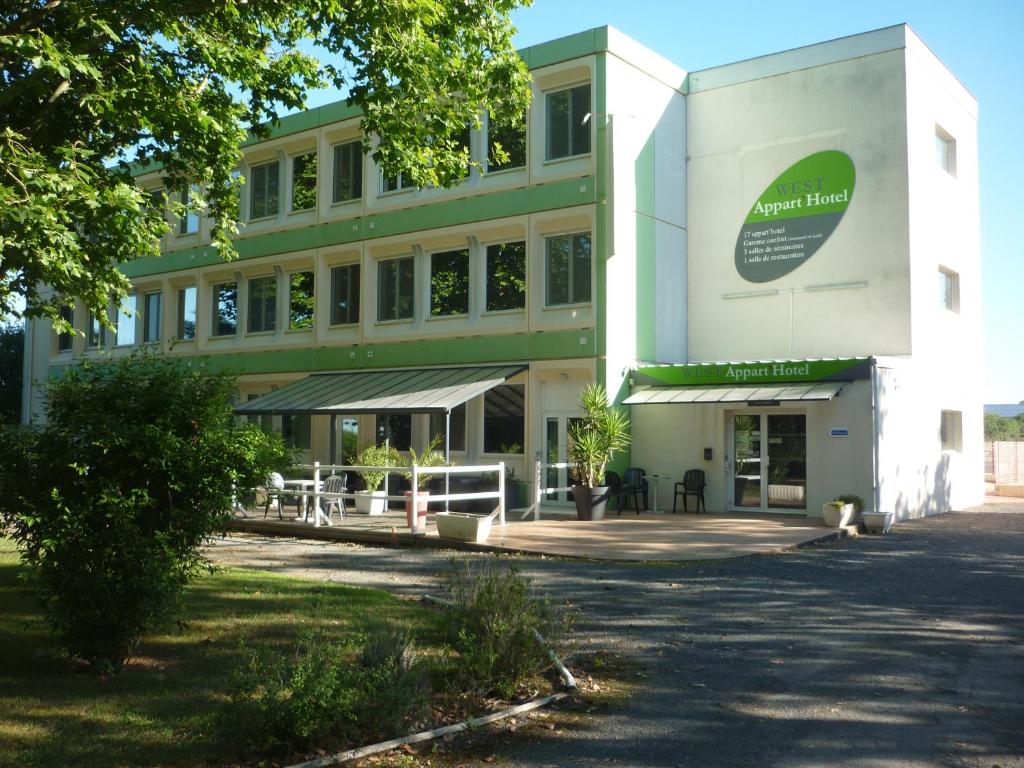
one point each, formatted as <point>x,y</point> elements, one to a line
<point>491,622</point>
<point>111,499</point>
<point>325,693</point>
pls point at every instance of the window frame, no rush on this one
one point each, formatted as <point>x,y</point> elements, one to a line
<point>189,223</point>
<point>95,333</point>
<point>293,165</point>
<point>353,286</point>
<point>572,300</point>
<point>397,262</point>
<point>289,276</point>
<point>947,442</point>
<point>489,145</point>
<point>66,341</point>
<point>355,178</point>
<point>216,290</point>
<point>130,318</point>
<point>146,296</point>
<point>265,188</point>
<point>573,120</point>
<point>487,275</point>
<point>180,310</point>
<point>949,290</point>
<point>259,320</point>
<point>945,151</point>
<point>465,251</point>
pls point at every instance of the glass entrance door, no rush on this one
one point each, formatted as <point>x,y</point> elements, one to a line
<point>556,442</point>
<point>769,462</point>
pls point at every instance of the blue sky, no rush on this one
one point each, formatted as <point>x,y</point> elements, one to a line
<point>980,41</point>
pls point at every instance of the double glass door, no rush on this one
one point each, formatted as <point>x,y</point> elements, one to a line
<point>768,466</point>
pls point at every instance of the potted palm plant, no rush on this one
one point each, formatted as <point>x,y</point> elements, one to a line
<point>373,501</point>
<point>430,457</point>
<point>594,439</point>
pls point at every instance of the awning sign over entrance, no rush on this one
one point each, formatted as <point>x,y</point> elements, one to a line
<point>756,372</point>
<point>407,390</point>
<point>742,394</point>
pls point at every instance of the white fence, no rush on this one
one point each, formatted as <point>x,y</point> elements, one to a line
<point>1004,461</point>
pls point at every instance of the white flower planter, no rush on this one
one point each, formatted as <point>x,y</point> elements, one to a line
<point>371,502</point>
<point>877,522</point>
<point>837,517</point>
<point>463,526</point>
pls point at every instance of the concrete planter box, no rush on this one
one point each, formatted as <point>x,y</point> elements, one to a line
<point>463,526</point>
<point>837,517</point>
<point>371,502</point>
<point>877,522</point>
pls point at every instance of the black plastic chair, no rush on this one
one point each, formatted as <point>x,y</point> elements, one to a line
<point>636,486</point>
<point>614,483</point>
<point>693,485</point>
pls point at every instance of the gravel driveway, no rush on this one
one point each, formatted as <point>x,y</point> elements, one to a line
<point>902,650</point>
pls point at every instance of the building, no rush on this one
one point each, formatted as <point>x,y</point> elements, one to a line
<point>747,256</point>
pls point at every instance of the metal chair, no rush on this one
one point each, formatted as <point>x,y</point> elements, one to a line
<point>636,486</point>
<point>334,484</point>
<point>693,485</point>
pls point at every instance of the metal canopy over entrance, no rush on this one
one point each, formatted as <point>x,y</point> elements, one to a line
<point>750,393</point>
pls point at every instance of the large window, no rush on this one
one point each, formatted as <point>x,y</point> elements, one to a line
<point>345,294</point>
<point>568,269</point>
<point>265,181</point>
<point>396,428</point>
<point>262,305</point>
<point>949,290</point>
<point>950,430</point>
<point>152,316</point>
<point>296,431</point>
<point>506,276</point>
<point>348,172</point>
<point>449,283</point>
<point>225,309</point>
<point>945,151</point>
<point>65,340</point>
<point>568,134</point>
<point>512,140</point>
<point>457,428</point>
<point>93,332</point>
<point>125,322</point>
<point>300,300</point>
<point>187,313</point>
<point>504,418</point>
<point>189,222</point>
<point>395,289</point>
<point>304,170</point>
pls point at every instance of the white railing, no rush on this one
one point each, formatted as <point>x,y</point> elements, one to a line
<point>411,498</point>
<point>539,491</point>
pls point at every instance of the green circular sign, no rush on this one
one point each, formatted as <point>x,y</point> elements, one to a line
<point>794,216</point>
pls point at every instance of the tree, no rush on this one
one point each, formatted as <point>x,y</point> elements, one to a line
<point>90,85</point>
<point>109,502</point>
<point>12,355</point>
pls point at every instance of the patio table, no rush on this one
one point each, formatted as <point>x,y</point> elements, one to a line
<point>302,484</point>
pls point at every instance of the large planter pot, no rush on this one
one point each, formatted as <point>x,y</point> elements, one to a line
<point>463,526</point>
<point>422,499</point>
<point>877,522</point>
<point>591,503</point>
<point>836,517</point>
<point>371,502</point>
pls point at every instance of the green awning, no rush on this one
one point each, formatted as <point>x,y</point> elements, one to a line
<point>750,393</point>
<point>406,390</point>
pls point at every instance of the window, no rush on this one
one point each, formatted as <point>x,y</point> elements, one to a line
<point>449,283</point>
<point>300,300</point>
<point>506,276</point>
<point>296,431</point>
<point>189,222</point>
<point>949,290</point>
<point>93,333</point>
<point>395,183</point>
<point>457,431</point>
<point>225,309</point>
<point>950,430</point>
<point>124,333</point>
<point>568,269</point>
<point>187,313</point>
<point>511,139</point>
<point>504,417</point>
<point>304,170</point>
<point>396,428</point>
<point>348,172</point>
<point>262,306</point>
<point>65,340</point>
<point>567,133</point>
<point>158,200</point>
<point>264,190</point>
<point>345,294</point>
<point>152,316</point>
<point>395,289</point>
<point>945,151</point>
<point>349,439</point>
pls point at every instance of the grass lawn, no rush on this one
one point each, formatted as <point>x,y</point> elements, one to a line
<point>161,710</point>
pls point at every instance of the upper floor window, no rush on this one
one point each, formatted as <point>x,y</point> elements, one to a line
<point>300,300</point>
<point>304,172</point>
<point>187,313</point>
<point>511,139</point>
<point>124,332</point>
<point>945,151</point>
<point>265,180</point>
<point>64,340</point>
<point>152,316</point>
<point>189,222</point>
<point>93,332</point>
<point>449,283</point>
<point>951,430</point>
<point>506,276</point>
<point>225,309</point>
<point>348,172</point>
<point>395,183</point>
<point>262,305</point>
<point>395,279</point>
<point>949,290</point>
<point>567,132</point>
<point>345,294</point>
<point>568,269</point>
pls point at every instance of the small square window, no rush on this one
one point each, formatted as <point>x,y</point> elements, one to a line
<point>945,151</point>
<point>951,430</point>
<point>304,171</point>
<point>949,290</point>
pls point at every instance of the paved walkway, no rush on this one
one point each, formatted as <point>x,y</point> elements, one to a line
<point>904,650</point>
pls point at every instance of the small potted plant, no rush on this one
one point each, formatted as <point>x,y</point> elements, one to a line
<point>877,522</point>
<point>594,439</point>
<point>430,457</point>
<point>372,501</point>
<point>841,510</point>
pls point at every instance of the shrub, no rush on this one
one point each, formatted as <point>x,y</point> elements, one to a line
<point>491,622</point>
<point>111,499</point>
